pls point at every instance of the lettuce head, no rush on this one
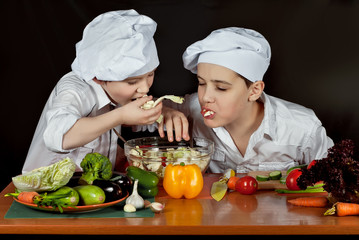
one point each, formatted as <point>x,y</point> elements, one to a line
<point>48,178</point>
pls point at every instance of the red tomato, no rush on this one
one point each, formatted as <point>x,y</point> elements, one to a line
<point>312,163</point>
<point>292,177</point>
<point>246,185</point>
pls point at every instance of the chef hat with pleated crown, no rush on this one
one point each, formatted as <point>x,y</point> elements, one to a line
<point>116,45</point>
<point>244,51</point>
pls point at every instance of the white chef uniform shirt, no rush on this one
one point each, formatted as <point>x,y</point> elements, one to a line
<point>289,135</point>
<point>71,99</point>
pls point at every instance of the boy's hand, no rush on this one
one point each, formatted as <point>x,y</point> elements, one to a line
<point>174,119</point>
<point>135,115</point>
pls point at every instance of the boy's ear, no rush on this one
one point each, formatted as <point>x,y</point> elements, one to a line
<point>97,81</point>
<point>256,90</point>
<point>100,82</point>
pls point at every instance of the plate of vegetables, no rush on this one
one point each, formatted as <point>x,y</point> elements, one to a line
<point>59,188</point>
<point>79,208</point>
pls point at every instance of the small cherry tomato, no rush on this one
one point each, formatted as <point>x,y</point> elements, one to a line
<point>292,177</point>
<point>312,163</point>
<point>246,185</point>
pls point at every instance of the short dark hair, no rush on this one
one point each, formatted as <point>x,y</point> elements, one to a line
<point>248,82</point>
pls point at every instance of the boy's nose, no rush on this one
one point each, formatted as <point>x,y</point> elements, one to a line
<point>208,97</point>
<point>144,87</point>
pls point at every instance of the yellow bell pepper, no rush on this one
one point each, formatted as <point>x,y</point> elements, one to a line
<point>180,180</point>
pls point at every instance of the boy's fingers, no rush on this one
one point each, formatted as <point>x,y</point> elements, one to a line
<point>169,129</point>
<point>161,129</point>
<point>185,126</point>
<point>178,128</point>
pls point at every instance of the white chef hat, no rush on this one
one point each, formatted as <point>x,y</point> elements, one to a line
<point>244,51</point>
<point>116,45</point>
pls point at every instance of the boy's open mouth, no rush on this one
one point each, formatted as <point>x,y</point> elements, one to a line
<point>207,113</point>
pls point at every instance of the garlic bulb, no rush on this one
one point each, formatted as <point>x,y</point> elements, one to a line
<point>135,199</point>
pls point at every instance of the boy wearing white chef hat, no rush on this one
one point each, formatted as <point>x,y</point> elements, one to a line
<point>252,131</point>
<point>111,75</point>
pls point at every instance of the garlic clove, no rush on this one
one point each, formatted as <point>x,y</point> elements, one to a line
<point>129,208</point>
<point>156,207</point>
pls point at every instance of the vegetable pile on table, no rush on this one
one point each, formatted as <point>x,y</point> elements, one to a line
<point>58,186</point>
<point>339,171</point>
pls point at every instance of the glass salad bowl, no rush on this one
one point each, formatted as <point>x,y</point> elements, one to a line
<point>155,153</point>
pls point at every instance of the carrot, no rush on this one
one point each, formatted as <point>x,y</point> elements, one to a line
<point>27,197</point>
<point>309,201</point>
<point>232,182</point>
<point>343,209</point>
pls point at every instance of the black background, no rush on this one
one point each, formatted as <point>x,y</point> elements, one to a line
<point>315,47</point>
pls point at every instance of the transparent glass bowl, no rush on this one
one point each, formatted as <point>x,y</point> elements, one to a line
<point>155,153</point>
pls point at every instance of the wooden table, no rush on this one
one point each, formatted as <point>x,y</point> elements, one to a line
<point>264,213</point>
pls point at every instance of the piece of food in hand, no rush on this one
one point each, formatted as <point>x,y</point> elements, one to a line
<point>95,166</point>
<point>48,178</point>
<point>151,104</point>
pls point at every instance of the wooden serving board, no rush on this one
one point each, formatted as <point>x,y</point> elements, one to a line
<point>270,184</point>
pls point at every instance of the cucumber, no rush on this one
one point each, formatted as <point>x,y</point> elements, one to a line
<point>283,180</point>
<point>275,175</point>
<point>262,178</point>
<point>145,179</point>
<point>147,192</point>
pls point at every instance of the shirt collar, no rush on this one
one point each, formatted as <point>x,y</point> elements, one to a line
<point>102,97</point>
<point>269,119</point>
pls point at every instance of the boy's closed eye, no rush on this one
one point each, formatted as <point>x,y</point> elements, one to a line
<point>132,81</point>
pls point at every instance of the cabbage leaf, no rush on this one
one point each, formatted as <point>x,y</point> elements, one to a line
<point>48,178</point>
<point>151,104</point>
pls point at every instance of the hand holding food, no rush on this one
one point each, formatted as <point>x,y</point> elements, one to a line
<point>151,104</point>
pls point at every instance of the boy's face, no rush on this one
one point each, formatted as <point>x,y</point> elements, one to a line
<point>123,92</point>
<point>223,95</point>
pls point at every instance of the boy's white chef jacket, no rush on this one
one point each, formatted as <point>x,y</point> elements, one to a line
<point>71,99</point>
<point>289,134</point>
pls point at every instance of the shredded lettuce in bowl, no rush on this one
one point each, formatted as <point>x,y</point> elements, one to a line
<point>156,159</point>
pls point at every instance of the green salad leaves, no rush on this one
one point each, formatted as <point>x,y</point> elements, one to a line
<point>48,178</point>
